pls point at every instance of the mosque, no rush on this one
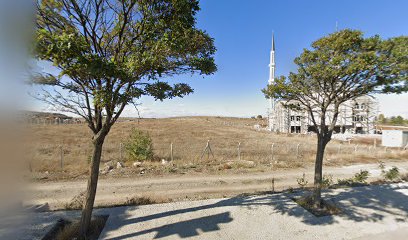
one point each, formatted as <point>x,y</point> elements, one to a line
<point>355,116</point>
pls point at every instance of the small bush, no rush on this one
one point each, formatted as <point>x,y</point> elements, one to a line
<point>302,182</point>
<point>361,177</point>
<point>392,174</point>
<point>358,179</point>
<point>139,146</point>
<point>327,181</point>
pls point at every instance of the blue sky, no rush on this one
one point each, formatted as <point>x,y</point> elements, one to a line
<point>242,31</point>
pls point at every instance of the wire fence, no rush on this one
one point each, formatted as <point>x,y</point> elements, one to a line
<point>280,154</point>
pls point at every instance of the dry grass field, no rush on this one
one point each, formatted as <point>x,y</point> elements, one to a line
<point>48,144</point>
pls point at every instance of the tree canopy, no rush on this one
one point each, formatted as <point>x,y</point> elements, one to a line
<point>116,51</point>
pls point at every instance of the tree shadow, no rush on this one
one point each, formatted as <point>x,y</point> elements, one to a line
<point>184,229</point>
<point>359,204</point>
<point>363,204</point>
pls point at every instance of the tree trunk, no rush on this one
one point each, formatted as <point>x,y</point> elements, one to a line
<point>91,187</point>
<point>321,145</point>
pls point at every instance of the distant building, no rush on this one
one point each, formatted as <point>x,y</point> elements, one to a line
<point>395,138</point>
<point>355,116</point>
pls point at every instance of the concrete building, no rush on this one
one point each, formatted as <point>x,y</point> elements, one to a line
<point>356,116</point>
<point>394,138</point>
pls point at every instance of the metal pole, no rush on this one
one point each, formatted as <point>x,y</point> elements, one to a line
<point>61,157</point>
<point>272,149</point>
<point>297,150</point>
<point>120,151</point>
<point>171,151</point>
<point>273,185</point>
<point>239,151</point>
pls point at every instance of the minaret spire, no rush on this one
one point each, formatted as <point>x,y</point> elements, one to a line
<point>273,41</point>
<point>271,81</point>
<point>272,62</point>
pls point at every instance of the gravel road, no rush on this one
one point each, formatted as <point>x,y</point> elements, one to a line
<point>185,187</point>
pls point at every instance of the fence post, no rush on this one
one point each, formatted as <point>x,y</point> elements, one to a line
<point>61,157</point>
<point>375,142</point>
<point>355,148</point>
<point>273,144</point>
<point>339,150</point>
<point>120,151</point>
<point>239,151</point>
<point>208,150</point>
<point>273,185</point>
<point>171,151</point>
<point>297,150</point>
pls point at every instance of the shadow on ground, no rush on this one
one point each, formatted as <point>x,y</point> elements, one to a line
<point>372,203</point>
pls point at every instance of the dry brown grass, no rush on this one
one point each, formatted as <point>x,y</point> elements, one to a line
<point>189,136</point>
<point>146,200</point>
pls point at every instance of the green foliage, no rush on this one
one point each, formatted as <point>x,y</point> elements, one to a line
<point>392,174</point>
<point>327,181</point>
<point>302,182</point>
<point>358,178</point>
<point>139,146</point>
<point>361,177</point>
<point>111,52</point>
<point>393,120</point>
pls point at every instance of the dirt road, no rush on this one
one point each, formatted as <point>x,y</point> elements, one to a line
<point>181,187</point>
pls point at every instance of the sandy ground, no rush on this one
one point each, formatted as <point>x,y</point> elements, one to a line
<point>373,212</point>
<point>181,187</point>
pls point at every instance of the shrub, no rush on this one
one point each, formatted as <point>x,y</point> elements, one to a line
<point>392,174</point>
<point>361,177</point>
<point>139,146</point>
<point>327,181</point>
<point>302,182</point>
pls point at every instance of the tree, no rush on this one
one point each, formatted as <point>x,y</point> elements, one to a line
<point>382,119</point>
<point>339,67</point>
<point>112,52</point>
<point>398,120</point>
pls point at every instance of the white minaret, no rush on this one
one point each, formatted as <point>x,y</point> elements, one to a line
<point>271,80</point>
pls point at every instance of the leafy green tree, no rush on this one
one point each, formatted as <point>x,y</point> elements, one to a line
<point>398,120</point>
<point>112,52</point>
<point>339,67</point>
<point>382,119</point>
